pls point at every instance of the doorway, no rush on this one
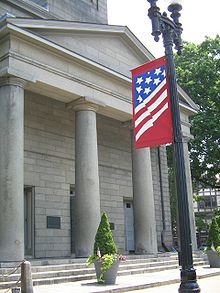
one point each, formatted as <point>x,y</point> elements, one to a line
<point>129,226</point>
<point>72,218</point>
<point>29,221</point>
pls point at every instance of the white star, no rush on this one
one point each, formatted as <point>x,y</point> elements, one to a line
<point>157,71</point>
<point>156,81</point>
<point>139,80</point>
<point>148,80</point>
<point>147,90</point>
<point>139,99</point>
<point>139,89</point>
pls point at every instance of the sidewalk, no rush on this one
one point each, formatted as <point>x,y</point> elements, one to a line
<point>127,283</point>
<point>207,285</point>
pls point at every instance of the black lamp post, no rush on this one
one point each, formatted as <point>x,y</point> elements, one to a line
<point>171,30</point>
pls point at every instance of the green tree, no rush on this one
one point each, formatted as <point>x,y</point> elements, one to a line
<point>201,225</point>
<point>198,73</point>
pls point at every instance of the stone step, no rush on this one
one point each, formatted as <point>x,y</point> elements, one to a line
<point>38,265</point>
<point>78,277</point>
<point>82,267</point>
<point>78,261</point>
<point>70,272</point>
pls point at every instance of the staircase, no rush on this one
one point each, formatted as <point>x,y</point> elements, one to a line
<point>54,271</point>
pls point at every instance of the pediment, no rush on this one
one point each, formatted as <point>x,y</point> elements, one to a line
<point>108,50</point>
<point>114,47</point>
<point>111,47</point>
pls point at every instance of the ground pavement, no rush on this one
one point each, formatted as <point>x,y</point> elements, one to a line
<point>207,285</point>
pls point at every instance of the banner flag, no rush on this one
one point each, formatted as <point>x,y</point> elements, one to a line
<point>151,104</point>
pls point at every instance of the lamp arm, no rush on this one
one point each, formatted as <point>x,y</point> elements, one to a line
<point>155,15</point>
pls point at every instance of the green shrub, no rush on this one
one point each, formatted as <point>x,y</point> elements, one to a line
<point>214,234</point>
<point>103,240</point>
<point>104,249</point>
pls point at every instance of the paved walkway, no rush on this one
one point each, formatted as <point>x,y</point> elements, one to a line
<point>130,283</point>
<point>207,285</point>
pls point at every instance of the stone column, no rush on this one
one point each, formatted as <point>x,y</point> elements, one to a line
<point>144,210</point>
<point>11,169</point>
<point>87,202</point>
<point>190,193</point>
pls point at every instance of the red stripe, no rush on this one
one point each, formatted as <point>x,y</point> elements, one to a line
<point>136,129</point>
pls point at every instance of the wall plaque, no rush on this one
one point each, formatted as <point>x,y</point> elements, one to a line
<point>53,222</point>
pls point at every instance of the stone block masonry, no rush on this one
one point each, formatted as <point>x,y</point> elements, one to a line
<point>49,167</point>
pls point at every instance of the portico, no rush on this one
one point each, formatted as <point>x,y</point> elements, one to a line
<point>68,108</point>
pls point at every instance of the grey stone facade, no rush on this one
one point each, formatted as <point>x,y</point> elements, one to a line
<point>92,11</point>
<point>77,96</point>
<point>49,162</point>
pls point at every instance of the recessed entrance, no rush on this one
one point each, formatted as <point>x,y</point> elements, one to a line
<point>129,226</point>
<point>29,221</point>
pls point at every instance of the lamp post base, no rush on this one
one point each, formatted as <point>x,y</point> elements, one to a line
<point>188,281</point>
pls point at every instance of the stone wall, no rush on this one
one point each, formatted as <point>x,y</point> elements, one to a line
<point>94,11</point>
<point>49,168</point>
<point>7,8</point>
<point>115,173</point>
<point>91,11</point>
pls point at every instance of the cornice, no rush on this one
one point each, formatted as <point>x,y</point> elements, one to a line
<point>67,76</point>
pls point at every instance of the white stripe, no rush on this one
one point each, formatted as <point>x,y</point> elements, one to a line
<point>150,122</point>
<point>140,106</point>
<point>151,108</point>
<point>160,112</point>
<point>141,118</point>
<point>158,101</point>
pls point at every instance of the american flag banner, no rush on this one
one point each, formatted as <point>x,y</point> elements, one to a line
<point>151,104</point>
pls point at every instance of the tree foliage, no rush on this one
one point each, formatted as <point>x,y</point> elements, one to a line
<point>198,73</point>
<point>201,225</point>
<point>214,234</point>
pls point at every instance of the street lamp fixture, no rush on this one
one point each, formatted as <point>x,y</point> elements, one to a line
<point>171,29</point>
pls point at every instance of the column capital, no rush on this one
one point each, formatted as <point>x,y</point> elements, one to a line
<point>13,81</point>
<point>85,104</point>
<point>128,124</point>
<point>187,138</point>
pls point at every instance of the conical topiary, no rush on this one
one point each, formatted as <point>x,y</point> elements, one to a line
<point>214,234</point>
<point>103,240</point>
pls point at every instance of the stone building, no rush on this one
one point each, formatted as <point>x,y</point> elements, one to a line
<point>66,145</point>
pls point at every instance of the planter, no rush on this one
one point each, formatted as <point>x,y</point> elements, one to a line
<point>110,275</point>
<point>214,258</point>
